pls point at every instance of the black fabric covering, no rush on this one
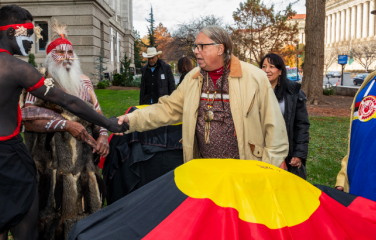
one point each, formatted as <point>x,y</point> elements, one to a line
<point>138,158</point>
<point>17,182</point>
<point>343,198</point>
<point>133,216</point>
<point>145,164</point>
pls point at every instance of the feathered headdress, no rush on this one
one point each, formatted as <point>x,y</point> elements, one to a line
<point>59,33</point>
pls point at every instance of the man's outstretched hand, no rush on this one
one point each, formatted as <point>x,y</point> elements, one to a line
<point>122,120</point>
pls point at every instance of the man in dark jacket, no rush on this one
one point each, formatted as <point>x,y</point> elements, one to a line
<point>157,79</point>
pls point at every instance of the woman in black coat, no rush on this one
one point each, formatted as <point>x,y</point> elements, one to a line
<point>291,100</point>
<point>184,67</point>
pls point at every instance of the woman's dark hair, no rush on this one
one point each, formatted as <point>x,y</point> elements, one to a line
<point>184,65</point>
<point>13,14</point>
<point>278,62</point>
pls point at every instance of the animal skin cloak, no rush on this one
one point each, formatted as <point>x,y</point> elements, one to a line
<point>69,182</point>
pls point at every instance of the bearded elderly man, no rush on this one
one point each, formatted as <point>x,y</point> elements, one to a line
<point>227,106</point>
<point>53,138</point>
<point>63,66</point>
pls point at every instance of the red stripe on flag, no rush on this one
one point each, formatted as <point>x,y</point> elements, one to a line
<point>364,208</point>
<point>202,219</point>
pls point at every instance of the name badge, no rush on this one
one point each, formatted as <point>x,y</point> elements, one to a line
<point>162,76</point>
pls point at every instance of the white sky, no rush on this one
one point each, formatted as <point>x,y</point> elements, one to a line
<point>172,12</point>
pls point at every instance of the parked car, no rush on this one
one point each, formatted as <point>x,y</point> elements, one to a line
<point>359,79</point>
<point>292,77</point>
<point>334,74</point>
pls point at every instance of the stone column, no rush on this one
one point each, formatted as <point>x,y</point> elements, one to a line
<point>348,24</point>
<point>353,22</point>
<point>371,19</point>
<point>338,26</point>
<point>333,30</point>
<point>359,21</point>
<point>343,22</point>
<point>328,30</point>
<point>366,14</point>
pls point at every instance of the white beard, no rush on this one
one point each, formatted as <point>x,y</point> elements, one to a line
<point>69,81</point>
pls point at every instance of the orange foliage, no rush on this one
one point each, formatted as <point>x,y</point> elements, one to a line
<point>162,38</point>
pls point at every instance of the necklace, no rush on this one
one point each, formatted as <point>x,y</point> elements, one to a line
<point>209,114</point>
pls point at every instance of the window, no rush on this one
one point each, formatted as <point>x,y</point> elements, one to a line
<point>42,43</point>
<point>118,47</point>
<point>112,44</point>
<point>102,37</point>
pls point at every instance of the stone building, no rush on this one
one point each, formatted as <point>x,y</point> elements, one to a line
<point>93,26</point>
<point>300,19</point>
<point>348,23</point>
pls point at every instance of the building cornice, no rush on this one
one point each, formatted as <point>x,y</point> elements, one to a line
<point>101,3</point>
<point>339,5</point>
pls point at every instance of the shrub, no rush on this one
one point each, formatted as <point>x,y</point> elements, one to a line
<point>101,85</point>
<point>118,80</point>
<point>32,60</point>
<point>329,91</point>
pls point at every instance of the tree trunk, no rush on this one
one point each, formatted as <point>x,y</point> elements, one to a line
<point>313,69</point>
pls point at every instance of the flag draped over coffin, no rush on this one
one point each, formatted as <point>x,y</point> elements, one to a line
<point>231,199</point>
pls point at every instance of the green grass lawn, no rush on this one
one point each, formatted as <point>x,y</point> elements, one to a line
<point>327,147</point>
<point>117,102</point>
<point>328,143</point>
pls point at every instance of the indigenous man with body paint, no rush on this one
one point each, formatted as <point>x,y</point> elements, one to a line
<point>18,183</point>
<point>70,162</point>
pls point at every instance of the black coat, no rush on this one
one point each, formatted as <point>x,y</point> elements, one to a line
<point>297,122</point>
<point>153,84</point>
<point>182,77</point>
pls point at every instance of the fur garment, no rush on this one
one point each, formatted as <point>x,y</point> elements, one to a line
<point>69,181</point>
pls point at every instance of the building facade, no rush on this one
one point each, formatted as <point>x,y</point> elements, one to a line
<point>300,19</point>
<point>347,24</point>
<point>93,26</point>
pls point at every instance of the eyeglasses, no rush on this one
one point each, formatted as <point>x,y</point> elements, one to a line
<point>201,46</point>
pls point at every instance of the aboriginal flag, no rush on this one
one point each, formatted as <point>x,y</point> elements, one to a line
<point>231,199</point>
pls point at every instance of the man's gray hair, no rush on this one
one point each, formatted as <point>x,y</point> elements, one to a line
<point>220,36</point>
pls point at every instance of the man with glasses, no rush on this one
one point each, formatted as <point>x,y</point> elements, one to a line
<point>227,107</point>
<point>157,79</point>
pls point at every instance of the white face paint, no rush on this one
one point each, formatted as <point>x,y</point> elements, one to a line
<point>19,40</point>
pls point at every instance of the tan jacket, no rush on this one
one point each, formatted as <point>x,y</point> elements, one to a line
<point>342,180</point>
<point>259,124</point>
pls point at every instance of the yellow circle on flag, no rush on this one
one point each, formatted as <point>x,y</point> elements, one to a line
<point>260,192</point>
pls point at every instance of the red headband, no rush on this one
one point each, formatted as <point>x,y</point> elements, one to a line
<point>16,26</point>
<point>56,43</point>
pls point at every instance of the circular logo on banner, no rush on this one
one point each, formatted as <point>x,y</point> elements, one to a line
<point>367,108</point>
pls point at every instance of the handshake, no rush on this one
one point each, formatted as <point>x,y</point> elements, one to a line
<point>122,121</point>
<point>118,125</point>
